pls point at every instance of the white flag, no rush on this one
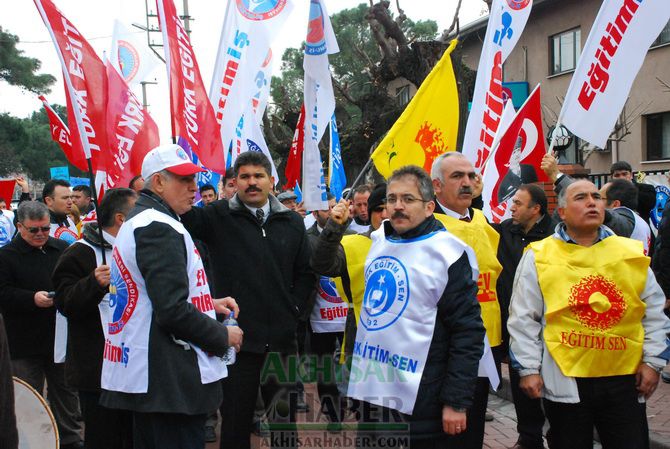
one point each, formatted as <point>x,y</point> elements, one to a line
<point>507,20</point>
<point>248,30</point>
<point>131,55</point>
<point>319,102</point>
<point>610,60</point>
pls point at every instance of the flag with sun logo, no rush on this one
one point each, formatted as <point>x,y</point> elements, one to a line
<point>427,127</point>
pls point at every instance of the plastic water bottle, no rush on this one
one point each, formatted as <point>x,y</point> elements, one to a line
<point>230,356</point>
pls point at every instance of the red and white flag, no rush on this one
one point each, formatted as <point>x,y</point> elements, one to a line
<point>131,130</point>
<point>193,117</point>
<point>319,101</point>
<point>85,83</point>
<point>293,168</point>
<point>516,160</point>
<point>507,20</point>
<point>613,54</point>
<point>61,135</point>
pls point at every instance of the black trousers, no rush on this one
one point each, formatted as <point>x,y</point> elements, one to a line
<point>275,373</point>
<point>610,405</point>
<point>168,431</point>
<point>529,414</point>
<point>322,347</point>
<point>105,428</point>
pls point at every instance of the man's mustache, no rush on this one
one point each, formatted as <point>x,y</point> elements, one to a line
<point>252,189</point>
<point>464,190</point>
<point>399,214</point>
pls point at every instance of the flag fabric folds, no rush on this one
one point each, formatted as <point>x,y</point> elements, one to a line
<point>507,20</point>
<point>427,127</point>
<point>131,56</point>
<point>516,160</point>
<point>319,101</point>
<point>243,59</point>
<point>85,83</point>
<point>337,176</point>
<point>293,169</point>
<point>61,135</point>
<point>192,114</point>
<point>611,58</point>
<point>131,132</point>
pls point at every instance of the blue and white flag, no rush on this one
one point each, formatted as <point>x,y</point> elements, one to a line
<point>319,102</point>
<point>338,179</point>
<point>202,178</point>
<point>298,193</point>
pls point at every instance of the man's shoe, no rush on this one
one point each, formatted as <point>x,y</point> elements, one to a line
<point>665,377</point>
<point>488,417</point>
<point>210,434</point>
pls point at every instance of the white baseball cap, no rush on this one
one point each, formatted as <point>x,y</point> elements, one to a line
<point>169,157</point>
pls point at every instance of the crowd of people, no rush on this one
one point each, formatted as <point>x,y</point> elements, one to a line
<point>146,317</point>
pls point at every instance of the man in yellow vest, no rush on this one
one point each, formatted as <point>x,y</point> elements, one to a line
<point>587,329</point>
<point>454,181</point>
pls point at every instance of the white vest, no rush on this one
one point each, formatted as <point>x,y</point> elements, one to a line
<point>329,313</point>
<point>125,365</point>
<point>103,306</point>
<point>404,281</point>
<point>70,235</point>
<point>7,228</point>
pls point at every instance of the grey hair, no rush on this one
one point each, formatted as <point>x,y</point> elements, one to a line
<point>422,179</point>
<point>31,210</point>
<point>148,183</point>
<point>563,198</point>
<point>436,168</point>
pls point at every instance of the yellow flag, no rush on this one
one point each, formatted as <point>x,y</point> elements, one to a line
<point>427,127</point>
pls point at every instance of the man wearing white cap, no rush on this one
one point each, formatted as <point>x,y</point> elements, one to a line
<point>163,345</point>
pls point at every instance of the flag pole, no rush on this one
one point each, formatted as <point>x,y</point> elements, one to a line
<point>358,179</point>
<point>94,197</point>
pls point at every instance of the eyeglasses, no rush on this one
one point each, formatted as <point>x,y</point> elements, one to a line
<point>36,229</point>
<point>405,199</point>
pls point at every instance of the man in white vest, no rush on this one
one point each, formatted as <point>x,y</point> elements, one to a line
<point>420,333</point>
<point>587,329</point>
<point>163,351</point>
<point>81,284</point>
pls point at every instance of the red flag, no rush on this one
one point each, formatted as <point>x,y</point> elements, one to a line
<point>131,131</point>
<point>294,162</point>
<point>85,82</point>
<point>61,135</point>
<point>193,117</point>
<point>7,191</point>
<point>517,159</point>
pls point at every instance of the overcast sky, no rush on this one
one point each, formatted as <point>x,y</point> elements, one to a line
<point>94,19</point>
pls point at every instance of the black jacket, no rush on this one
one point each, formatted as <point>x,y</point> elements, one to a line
<point>646,200</point>
<point>77,297</point>
<point>513,240</point>
<point>25,270</point>
<point>450,374</point>
<point>174,376</point>
<point>9,435</point>
<point>661,260</point>
<point>265,268</point>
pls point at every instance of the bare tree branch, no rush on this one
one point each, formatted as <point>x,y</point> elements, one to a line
<point>447,32</point>
<point>269,132</point>
<point>344,91</point>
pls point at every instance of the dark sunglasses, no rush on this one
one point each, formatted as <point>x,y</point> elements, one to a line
<point>36,229</point>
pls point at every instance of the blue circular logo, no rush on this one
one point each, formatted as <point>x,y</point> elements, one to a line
<point>129,60</point>
<point>328,291</point>
<point>123,295</point>
<point>662,196</point>
<point>315,44</point>
<point>386,293</point>
<point>260,9</point>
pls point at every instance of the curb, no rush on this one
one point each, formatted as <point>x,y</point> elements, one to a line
<point>656,441</point>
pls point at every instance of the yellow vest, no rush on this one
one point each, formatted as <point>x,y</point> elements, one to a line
<point>593,310</point>
<point>483,239</point>
<point>356,249</point>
